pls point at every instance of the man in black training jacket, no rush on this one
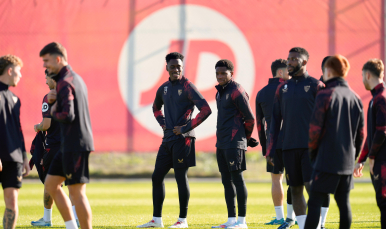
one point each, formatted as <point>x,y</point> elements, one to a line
<point>264,104</point>
<point>235,123</point>
<point>13,158</point>
<point>293,104</point>
<point>375,145</point>
<point>71,163</point>
<point>179,96</point>
<point>335,140</point>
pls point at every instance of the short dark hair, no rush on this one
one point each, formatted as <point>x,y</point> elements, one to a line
<point>324,61</point>
<point>225,63</point>
<point>375,66</point>
<point>277,64</point>
<point>174,55</point>
<point>54,48</point>
<point>49,74</point>
<point>301,51</point>
<point>9,60</point>
<point>338,64</point>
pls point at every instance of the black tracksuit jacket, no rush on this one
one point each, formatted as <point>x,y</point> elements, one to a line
<point>12,147</point>
<point>375,146</point>
<point>179,97</point>
<point>294,103</point>
<point>235,119</point>
<point>264,106</point>
<point>336,128</point>
<point>72,112</point>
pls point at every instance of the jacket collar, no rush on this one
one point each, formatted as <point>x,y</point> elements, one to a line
<point>3,87</point>
<point>179,81</point>
<point>337,81</point>
<point>301,77</point>
<point>62,73</point>
<point>222,88</point>
<point>275,80</point>
<point>378,89</point>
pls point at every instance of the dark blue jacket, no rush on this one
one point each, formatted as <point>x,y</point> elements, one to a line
<point>294,103</point>
<point>264,106</point>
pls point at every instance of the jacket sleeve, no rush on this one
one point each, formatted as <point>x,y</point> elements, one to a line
<point>24,151</point>
<point>157,106</point>
<point>241,101</point>
<point>322,103</point>
<point>360,131</point>
<point>364,153</point>
<point>195,96</point>
<point>380,128</point>
<point>260,126</point>
<point>276,119</point>
<point>65,110</point>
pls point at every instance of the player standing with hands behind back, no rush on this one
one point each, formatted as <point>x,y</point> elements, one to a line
<point>235,123</point>
<point>335,140</point>
<point>13,157</point>
<point>71,164</point>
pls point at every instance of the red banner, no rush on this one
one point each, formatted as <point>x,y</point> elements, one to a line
<point>119,49</point>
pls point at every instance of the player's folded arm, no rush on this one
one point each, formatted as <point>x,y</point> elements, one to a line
<point>67,113</point>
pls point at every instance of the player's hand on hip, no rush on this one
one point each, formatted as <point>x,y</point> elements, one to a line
<point>371,165</point>
<point>177,130</point>
<point>270,160</point>
<point>358,170</point>
<point>26,167</point>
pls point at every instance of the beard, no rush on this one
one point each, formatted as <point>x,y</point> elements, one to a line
<point>294,70</point>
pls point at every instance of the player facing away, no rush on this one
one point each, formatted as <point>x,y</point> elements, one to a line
<point>375,145</point>
<point>264,104</point>
<point>71,163</point>
<point>51,148</point>
<point>293,104</point>
<point>178,96</point>
<point>13,157</point>
<point>235,123</point>
<point>335,140</point>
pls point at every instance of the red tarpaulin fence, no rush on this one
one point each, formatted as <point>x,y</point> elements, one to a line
<point>118,47</point>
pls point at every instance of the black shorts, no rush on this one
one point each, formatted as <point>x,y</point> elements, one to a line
<point>331,183</point>
<point>180,153</point>
<point>278,168</point>
<point>11,175</point>
<point>229,160</point>
<point>297,166</point>
<point>43,169</point>
<point>72,166</point>
<point>379,182</point>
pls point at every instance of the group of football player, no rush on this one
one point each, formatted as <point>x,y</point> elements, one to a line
<point>62,145</point>
<point>311,129</point>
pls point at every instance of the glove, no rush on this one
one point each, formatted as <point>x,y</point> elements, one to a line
<point>252,142</point>
<point>47,159</point>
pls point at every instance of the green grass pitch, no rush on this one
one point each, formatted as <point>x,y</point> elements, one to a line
<point>127,204</point>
